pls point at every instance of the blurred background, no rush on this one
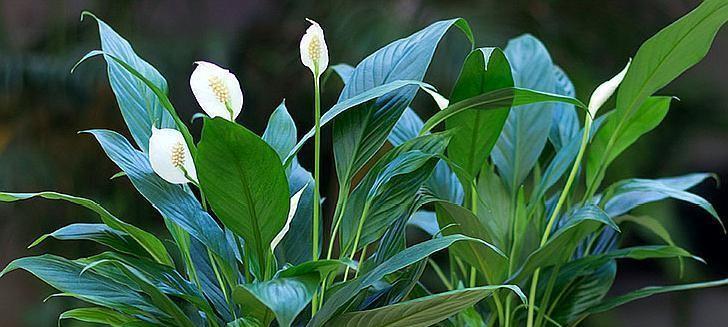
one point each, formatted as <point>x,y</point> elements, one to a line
<point>42,107</point>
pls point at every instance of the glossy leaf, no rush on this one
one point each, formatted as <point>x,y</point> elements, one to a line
<point>615,136</point>
<point>401,260</point>
<point>476,130</point>
<point>99,316</point>
<point>422,312</point>
<point>565,121</point>
<point>100,233</point>
<point>146,240</point>
<point>244,181</point>
<point>527,127</point>
<point>286,297</point>
<point>358,134</point>
<point>139,105</point>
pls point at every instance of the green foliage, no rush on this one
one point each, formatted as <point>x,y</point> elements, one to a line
<point>494,188</point>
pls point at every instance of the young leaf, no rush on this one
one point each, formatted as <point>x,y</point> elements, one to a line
<point>286,297</point>
<point>422,312</point>
<point>476,131</point>
<point>244,181</point>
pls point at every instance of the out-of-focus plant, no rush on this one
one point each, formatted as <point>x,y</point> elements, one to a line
<point>244,215</point>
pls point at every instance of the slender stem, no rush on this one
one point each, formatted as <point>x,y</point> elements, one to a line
<point>361,260</point>
<point>547,295</point>
<point>555,213</point>
<point>363,218</point>
<point>338,215</point>
<point>440,274</point>
<point>317,165</point>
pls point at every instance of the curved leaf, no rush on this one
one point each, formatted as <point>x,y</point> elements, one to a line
<point>286,297</point>
<point>100,233</point>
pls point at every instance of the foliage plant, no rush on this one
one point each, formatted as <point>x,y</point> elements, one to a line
<point>504,176</point>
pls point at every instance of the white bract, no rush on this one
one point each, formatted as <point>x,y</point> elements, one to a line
<point>291,212</point>
<point>314,53</point>
<point>216,90</point>
<point>170,157</point>
<point>605,90</point>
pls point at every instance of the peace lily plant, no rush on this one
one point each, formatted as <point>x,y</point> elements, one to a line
<point>503,176</point>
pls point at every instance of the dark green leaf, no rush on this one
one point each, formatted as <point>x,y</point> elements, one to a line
<point>244,181</point>
<point>285,296</point>
<point>100,233</point>
<point>565,121</point>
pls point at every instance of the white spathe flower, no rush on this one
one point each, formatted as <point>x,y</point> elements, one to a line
<point>605,90</point>
<point>314,53</point>
<point>169,156</point>
<point>217,90</point>
<point>291,213</point>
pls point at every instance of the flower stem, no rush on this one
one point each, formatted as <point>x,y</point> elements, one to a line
<point>317,165</point>
<point>555,214</point>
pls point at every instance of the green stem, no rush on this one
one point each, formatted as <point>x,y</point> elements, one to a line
<point>547,295</point>
<point>555,213</point>
<point>317,164</point>
<point>440,274</point>
<point>338,216</point>
<point>363,218</point>
<point>361,260</point>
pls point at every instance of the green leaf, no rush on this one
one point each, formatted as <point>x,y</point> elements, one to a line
<point>659,60</point>
<point>358,134</point>
<point>100,233</point>
<point>527,128</point>
<point>280,134</point>
<point>281,131</point>
<point>620,202</point>
<point>286,297</point>
<point>487,258</point>
<point>476,130</point>
<point>614,302</point>
<point>421,312</point>
<point>400,260</point>
<point>146,240</point>
<point>244,181</point>
<point>617,135</point>
<point>65,276</point>
<point>139,106</point>
<point>396,190</point>
<point>560,247</point>
<point>510,96</point>
<point>656,187</point>
<point>99,316</point>
<point>172,201</point>
<point>342,106</point>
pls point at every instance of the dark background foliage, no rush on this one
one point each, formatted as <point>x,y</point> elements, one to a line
<point>42,107</point>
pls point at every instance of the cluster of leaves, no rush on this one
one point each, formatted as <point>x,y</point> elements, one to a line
<point>479,187</point>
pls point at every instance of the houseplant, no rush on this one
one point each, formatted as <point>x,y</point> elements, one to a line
<point>230,200</point>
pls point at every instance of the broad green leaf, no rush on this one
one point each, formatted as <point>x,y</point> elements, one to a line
<point>614,302</point>
<point>401,260</point>
<point>565,121</point>
<point>244,181</point>
<point>100,233</point>
<point>359,133</point>
<point>562,243</point>
<point>386,195</point>
<point>99,316</point>
<point>487,258</point>
<point>139,105</point>
<point>394,199</point>
<point>172,201</point>
<point>421,312</point>
<point>527,127</point>
<point>344,105</point>
<point>661,59</point>
<point>475,130</point>
<point>149,242</point>
<point>616,135</point>
<point>494,207</point>
<point>493,100</point>
<point>656,187</point>
<point>620,202</point>
<point>286,297</point>
<point>65,276</point>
